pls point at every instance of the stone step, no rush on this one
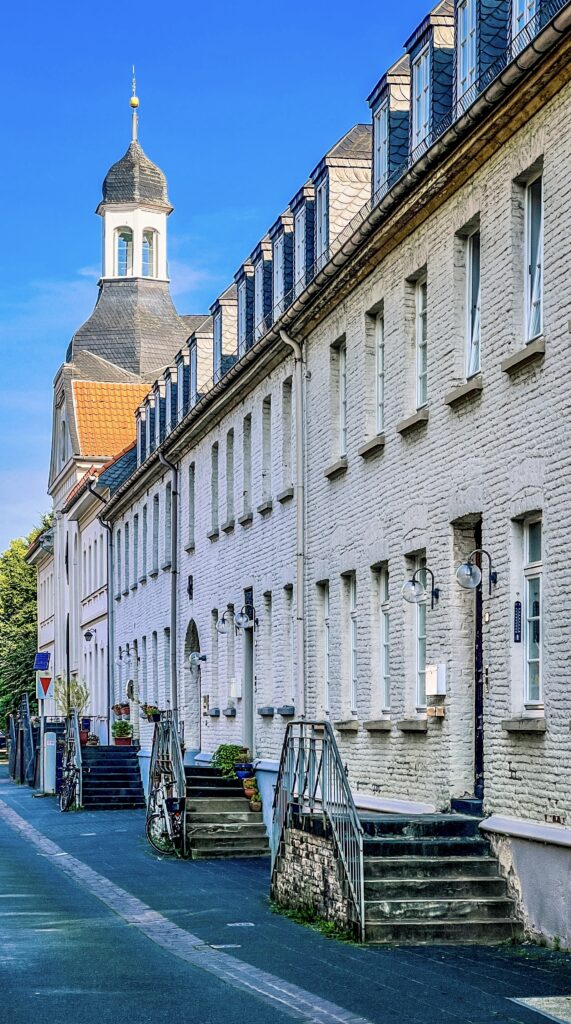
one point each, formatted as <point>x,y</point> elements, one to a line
<point>419,826</point>
<point>213,782</point>
<point>438,909</point>
<point>111,803</point>
<point>221,804</point>
<point>410,932</point>
<point>222,792</point>
<point>434,888</point>
<point>223,817</point>
<point>111,778</point>
<point>232,843</point>
<point>201,769</point>
<point>437,847</point>
<point>230,851</point>
<point>430,867</point>
<point>468,805</point>
<point>113,791</point>
<point>108,751</point>
<point>214,832</point>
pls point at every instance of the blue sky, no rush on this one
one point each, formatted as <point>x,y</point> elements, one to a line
<point>238,103</point>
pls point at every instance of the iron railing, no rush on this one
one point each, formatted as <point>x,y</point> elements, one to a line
<point>72,752</point>
<point>12,746</point>
<point>167,766</point>
<point>313,780</point>
<point>26,737</point>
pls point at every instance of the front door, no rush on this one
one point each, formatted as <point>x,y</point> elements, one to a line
<point>248,702</point>
<point>478,680</point>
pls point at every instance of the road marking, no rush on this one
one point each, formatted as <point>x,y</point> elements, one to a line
<point>295,1001</point>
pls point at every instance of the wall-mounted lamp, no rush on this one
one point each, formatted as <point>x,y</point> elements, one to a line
<point>415,592</point>
<point>89,634</point>
<point>246,618</point>
<point>195,658</point>
<point>469,575</point>
<point>222,624</point>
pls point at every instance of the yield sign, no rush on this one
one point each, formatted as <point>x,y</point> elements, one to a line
<point>44,685</point>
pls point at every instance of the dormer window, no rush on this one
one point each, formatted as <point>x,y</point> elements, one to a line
<point>259,300</point>
<point>421,97</point>
<point>124,252</point>
<point>466,45</point>
<point>523,12</point>
<point>242,325</point>
<point>299,250</point>
<point>193,375</point>
<point>168,405</point>
<point>217,346</point>
<point>148,432</point>
<point>381,146</point>
<point>322,226</point>
<point>279,276</point>
<point>149,253</point>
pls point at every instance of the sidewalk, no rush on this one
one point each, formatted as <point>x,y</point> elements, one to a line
<point>224,904</point>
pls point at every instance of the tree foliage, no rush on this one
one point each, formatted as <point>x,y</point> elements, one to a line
<point>18,625</point>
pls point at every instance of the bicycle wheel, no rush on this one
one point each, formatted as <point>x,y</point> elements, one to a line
<point>158,834</point>
<point>67,793</point>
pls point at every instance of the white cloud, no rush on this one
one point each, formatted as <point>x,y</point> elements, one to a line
<point>185,277</point>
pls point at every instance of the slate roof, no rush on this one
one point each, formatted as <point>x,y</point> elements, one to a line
<point>105,415</point>
<point>136,179</point>
<point>355,145</point>
<point>118,469</point>
<point>134,325</point>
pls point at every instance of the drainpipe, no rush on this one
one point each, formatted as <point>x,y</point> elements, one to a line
<point>300,518</point>
<point>110,606</point>
<point>174,578</point>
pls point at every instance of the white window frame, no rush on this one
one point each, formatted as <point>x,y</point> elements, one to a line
<point>124,263</point>
<point>242,311</point>
<point>299,229</point>
<point>259,299</point>
<point>379,373</point>
<point>321,219</point>
<point>467,53</point>
<point>522,13</point>
<point>420,644</point>
<point>149,253</point>
<point>157,418</point>
<point>532,573</point>
<point>191,504</point>
<point>179,389</point>
<point>342,368</point>
<point>533,273</point>
<point>278,274</point>
<point>168,405</point>
<point>381,146</point>
<point>147,429</point>
<point>421,339</point>
<point>217,345</point>
<point>326,639</point>
<point>472,325</point>
<point>353,642</point>
<point>384,652</point>
<point>421,97</point>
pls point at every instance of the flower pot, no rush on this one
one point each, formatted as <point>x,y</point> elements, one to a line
<point>123,741</point>
<point>255,805</point>
<point>154,718</point>
<point>83,734</point>
<point>249,793</point>
<point>92,743</point>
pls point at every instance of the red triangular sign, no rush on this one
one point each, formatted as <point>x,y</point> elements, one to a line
<point>45,683</point>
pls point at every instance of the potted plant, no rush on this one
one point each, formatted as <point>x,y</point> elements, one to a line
<point>256,802</point>
<point>125,709</point>
<point>151,712</point>
<point>122,733</point>
<point>225,759</point>
<point>116,709</point>
<point>250,787</point>
<point>83,737</point>
<point>92,740</point>
<point>242,766</point>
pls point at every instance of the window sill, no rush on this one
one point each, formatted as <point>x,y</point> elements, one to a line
<point>378,725</point>
<point>418,419</point>
<point>286,711</point>
<point>189,548</point>
<point>534,350</point>
<point>524,724</point>
<point>372,446</point>
<point>285,495</point>
<point>154,573</point>
<point>471,389</point>
<point>336,469</point>
<point>245,518</point>
<point>117,597</point>
<point>213,534</point>
<point>125,592</point>
<point>143,578</point>
<point>214,712</point>
<point>134,586</point>
<point>266,507</point>
<point>266,712</point>
<point>229,712</point>
<point>413,725</point>
<point>166,566</point>
<point>348,725</point>
<point>228,526</point>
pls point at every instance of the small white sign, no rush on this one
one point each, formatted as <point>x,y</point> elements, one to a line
<point>435,680</point>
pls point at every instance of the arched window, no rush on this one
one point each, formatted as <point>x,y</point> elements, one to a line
<point>149,253</point>
<point>124,252</point>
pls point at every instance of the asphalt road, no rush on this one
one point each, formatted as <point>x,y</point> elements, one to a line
<point>95,928</point>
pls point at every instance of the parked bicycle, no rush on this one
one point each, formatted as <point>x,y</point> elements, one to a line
<point>165,819</point>
<point>69,786</point>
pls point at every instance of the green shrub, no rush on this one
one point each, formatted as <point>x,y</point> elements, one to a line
<point>226,756</point>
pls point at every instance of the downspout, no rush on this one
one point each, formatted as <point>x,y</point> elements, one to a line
<point>174,578</point>
<point>110,607</point>
<point>300,518</point>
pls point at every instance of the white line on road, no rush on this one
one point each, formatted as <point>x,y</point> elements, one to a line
<point>295,1001</point>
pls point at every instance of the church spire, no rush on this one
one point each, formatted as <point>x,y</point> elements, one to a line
<point>134,103</point>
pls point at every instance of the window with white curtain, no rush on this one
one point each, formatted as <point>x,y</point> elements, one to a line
<point>467,28</point>
<point>473,304</point>
<point>533,571</point>
<point>353,641</point>
<point>325,645</point>
<point>379,373</point>
<point>384,624</point>
<point>421,97</point>
<point>381,146</point>
<point>534,257</point>
<point>420,644</point>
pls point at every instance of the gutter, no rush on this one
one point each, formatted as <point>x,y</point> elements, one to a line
<point>174,574</point>
<point>300,405</point>
<point>110,607</point>
<point>355,238</point>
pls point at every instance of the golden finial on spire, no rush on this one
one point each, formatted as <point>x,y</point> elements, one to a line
<point>134,103</point>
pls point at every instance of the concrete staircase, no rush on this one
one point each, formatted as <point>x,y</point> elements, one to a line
<point>111,778</point>
<point>433,879</point>
<point>219,820</point>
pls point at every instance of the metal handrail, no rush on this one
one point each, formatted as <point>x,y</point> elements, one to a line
<point>12,746</point>
<point>28,742</point>
<point>312,779</point>
<point>167,762</point>
<point>73,752</point>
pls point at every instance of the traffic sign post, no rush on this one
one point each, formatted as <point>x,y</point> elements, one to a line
<point>44,690</point>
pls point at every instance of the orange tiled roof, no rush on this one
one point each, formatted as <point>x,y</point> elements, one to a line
<point>104,415</point>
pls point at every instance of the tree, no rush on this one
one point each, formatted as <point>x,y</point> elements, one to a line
<point>18,627</point>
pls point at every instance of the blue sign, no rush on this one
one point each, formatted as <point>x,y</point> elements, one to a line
<point>517,622</point>
<point>42,661</point>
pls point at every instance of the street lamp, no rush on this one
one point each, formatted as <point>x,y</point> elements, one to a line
<point>246,618</point>
<point>415,592</point>
<point>469,575</point>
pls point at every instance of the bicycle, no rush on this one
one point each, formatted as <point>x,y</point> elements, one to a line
<point>68,789</point>
<point>164,826</point>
